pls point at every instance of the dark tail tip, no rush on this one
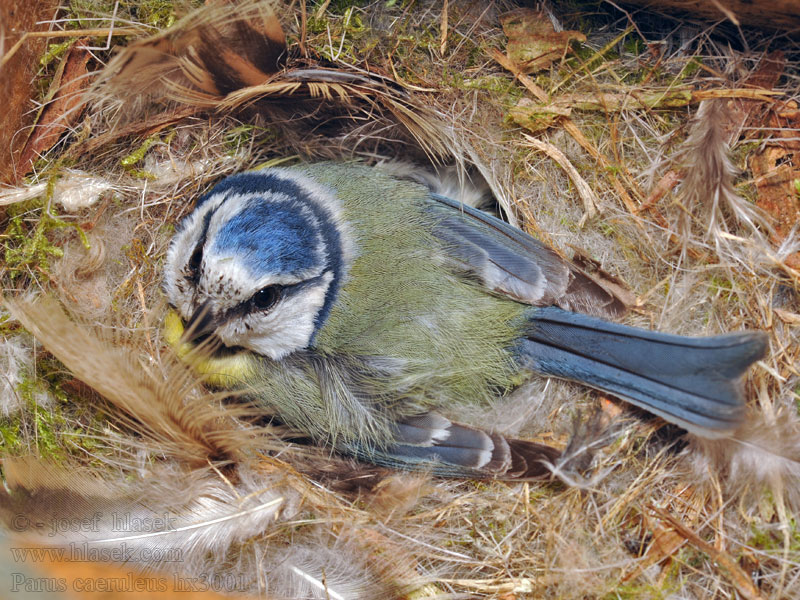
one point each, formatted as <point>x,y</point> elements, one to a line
<point>529,460</point>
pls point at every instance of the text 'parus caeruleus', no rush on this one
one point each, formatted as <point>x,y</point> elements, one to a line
<point>354,305</point>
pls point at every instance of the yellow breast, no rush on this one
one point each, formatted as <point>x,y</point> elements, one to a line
<point>229,371</point>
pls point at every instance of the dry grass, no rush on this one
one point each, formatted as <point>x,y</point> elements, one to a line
<point>653,515</point>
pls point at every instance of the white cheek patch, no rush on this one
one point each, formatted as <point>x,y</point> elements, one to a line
<point>289,326</point>
<point>180,292</point>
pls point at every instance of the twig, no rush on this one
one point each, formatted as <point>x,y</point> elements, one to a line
<point>584,191</point>
<point>726,11</point>
<point>153,124</point>
<point>748,93</point>
<point>443,45</point>
<point>509,65</point>
<point>303,28</point>
<point>664,185</point>
<point>321,10</point>
<point>740,580</point>
<point>67,34</point>
<point>569,126</point>
<point>577,134</point>
<point>597,56</point>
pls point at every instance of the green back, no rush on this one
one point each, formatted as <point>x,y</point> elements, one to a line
<point>406,334</point>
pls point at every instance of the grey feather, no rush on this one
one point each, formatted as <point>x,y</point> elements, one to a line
<point>509,262</point>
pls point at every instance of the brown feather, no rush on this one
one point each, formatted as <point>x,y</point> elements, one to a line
<point>713,203</point>
<point>168,409</point>
<point>228,61</point>
<point>763,454</point>
<point>215,49</point>
<point>530,460</point>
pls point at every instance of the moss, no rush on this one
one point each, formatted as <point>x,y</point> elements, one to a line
<point>85,14</point>
<point>692,67</point>
<point>10,439</point>
<point>607,229</point>
<point>130,161</point>
<point>498,84</point>
<point>43,424</point>
<point>342,33</point>
<point>340,37</point>
<point>772,538</point>
<point>722,287</point>
<point>27,248</point>
<point>26,242</point>
<point>245,135</point>
<point>158,13</point>
<point>8,326</point>
<point>341,7</point>
<point>57,429</point>
<point>161,14</point>
<point>634,591</point>
<point>633,44</point>
<point>54,52</point>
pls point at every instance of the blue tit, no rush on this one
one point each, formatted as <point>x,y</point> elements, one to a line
<point>357,307</point>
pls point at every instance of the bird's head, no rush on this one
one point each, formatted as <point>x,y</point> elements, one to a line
<point>259,262</point>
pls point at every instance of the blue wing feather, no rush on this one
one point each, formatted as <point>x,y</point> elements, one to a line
<point>510,262</point>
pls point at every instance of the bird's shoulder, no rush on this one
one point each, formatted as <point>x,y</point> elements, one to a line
<point>411,217</point>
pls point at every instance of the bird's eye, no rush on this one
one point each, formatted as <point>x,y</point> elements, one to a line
<point>267,297</point>
<point>194,262</point>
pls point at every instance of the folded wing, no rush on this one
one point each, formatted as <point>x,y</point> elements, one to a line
<point>510,262</point>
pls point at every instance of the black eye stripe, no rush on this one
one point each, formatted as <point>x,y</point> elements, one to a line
<point>285,293</point>
<point>195,260</point>
<point>194,263</point>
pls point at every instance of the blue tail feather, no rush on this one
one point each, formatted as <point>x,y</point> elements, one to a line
<point>692,382</point>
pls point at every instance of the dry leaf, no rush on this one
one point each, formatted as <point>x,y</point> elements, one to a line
<point>535,117</point>
<point>664,544</point>
<point>533,44</point>
<point>612,284</point>
<point>776,167</point>
<point>735,574</point>
<point>17,89</point>
<point>63,111</point>
<point>787,317</point>
<point>775,176</point>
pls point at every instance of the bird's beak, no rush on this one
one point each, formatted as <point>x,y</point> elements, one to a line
<point>200,323</point>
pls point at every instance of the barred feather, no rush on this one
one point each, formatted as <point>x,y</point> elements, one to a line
<point>708,184</point>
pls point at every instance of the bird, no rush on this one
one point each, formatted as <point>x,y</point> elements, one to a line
<point>362,309</point>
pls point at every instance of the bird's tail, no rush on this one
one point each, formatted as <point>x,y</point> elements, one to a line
<point>692,382</point>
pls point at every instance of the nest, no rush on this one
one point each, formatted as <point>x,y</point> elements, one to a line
<point>662,157</point>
